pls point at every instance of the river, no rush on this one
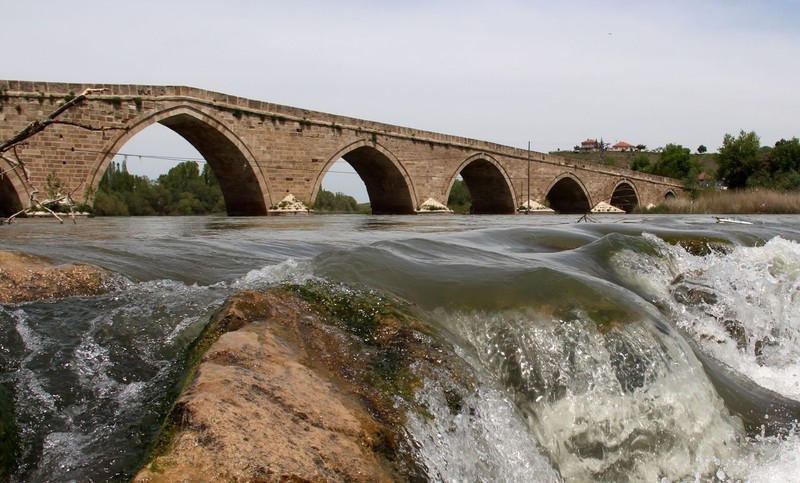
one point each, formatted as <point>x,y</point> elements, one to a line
<point>634,348</point>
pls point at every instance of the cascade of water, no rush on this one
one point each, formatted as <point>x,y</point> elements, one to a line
<point>484,441</point>
<point>603,402</point>
<point>738,305</point>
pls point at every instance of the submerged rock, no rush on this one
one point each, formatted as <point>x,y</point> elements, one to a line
<point>699,246</point>
<point>25,278</point>
<point>311,384</point>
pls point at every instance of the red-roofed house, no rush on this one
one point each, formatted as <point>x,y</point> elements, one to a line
<point>590,145</point>
<point>623,146</point>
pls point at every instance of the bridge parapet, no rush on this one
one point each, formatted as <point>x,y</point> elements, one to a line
<point>262,151</point>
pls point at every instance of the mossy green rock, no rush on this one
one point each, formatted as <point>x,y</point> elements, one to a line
<point>309,382</point>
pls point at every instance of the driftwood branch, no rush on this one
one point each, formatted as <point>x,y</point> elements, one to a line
<point>42,205</point>
<point>587,217</point>
<point>35,127</point>
<point>15,164</point>
<point>87,127</point>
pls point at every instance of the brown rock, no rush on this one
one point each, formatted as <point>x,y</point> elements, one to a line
<point>24,278</point>
<point>270,402</point>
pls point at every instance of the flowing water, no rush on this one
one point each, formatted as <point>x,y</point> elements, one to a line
<point>636,349</point>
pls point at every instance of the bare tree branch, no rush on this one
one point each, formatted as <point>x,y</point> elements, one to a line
<point>39,204</point>
<point>32,129</point>
<point>38,126</point>
<point>87,127</point>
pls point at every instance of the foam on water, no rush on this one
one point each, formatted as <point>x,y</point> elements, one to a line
<point>484,441</point>
<point>64,450</point>
<point>739,306</point>
<point>34,343</point>
<point>92,364</point>
<point>92,370</point>
<point>775,459</point>
<point>603,404</point>
<point>269,275</point>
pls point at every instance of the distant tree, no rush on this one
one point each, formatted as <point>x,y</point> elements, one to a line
<point>110,204</point>
<point>675,161</point>
<point>641,147</point>
<point>209,191</point>
<point>121,193</point>
<point>328,202</point>
<point>459,199</point>
<point>738,158</point>
<point>701,149</point>
<point>778,167</point>
<point>179,178</point>
<point>191,193</point>
<point>641,163</point>
<point>785,156</point>
<point>184,190</point>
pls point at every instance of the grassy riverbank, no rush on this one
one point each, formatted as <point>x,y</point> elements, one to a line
<point>751,201</point>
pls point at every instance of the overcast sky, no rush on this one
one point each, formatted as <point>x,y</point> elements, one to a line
<point>552,73</point>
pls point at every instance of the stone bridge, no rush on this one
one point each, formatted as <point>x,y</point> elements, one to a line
<point>261,152</point>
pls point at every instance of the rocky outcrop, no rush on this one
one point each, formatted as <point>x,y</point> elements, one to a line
<point>308,385</point>
<point>25,278</point>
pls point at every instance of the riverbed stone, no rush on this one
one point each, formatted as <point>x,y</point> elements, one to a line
<point>25,278</point>
<point>292,393</point>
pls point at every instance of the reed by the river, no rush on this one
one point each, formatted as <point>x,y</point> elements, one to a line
<point>749,201</point>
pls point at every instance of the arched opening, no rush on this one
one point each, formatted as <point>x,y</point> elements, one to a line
<point>240,187</point>
<point>386,183</point>
<point>342,191</point>
<point>155,150</point>
<point>488,188</point>
<point>226,157</point>
<point>158,172</point>
<point>624,197</point>
<point>9,201</point>
<point>459,199</point>
<point>568,197</point>
<point>669,195</point>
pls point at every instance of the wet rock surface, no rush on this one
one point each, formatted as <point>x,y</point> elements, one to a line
<point>25,278</point>
<point>304,384</point>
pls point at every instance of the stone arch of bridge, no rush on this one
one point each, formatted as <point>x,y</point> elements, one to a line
<point>488,183</point>
<point>13,189</point>
<point>567,195</point>
<point>625,196</point>
<point>242,181</point>
<point>388,183</point>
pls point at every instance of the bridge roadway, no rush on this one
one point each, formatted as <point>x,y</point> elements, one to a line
<point>261,152</point>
